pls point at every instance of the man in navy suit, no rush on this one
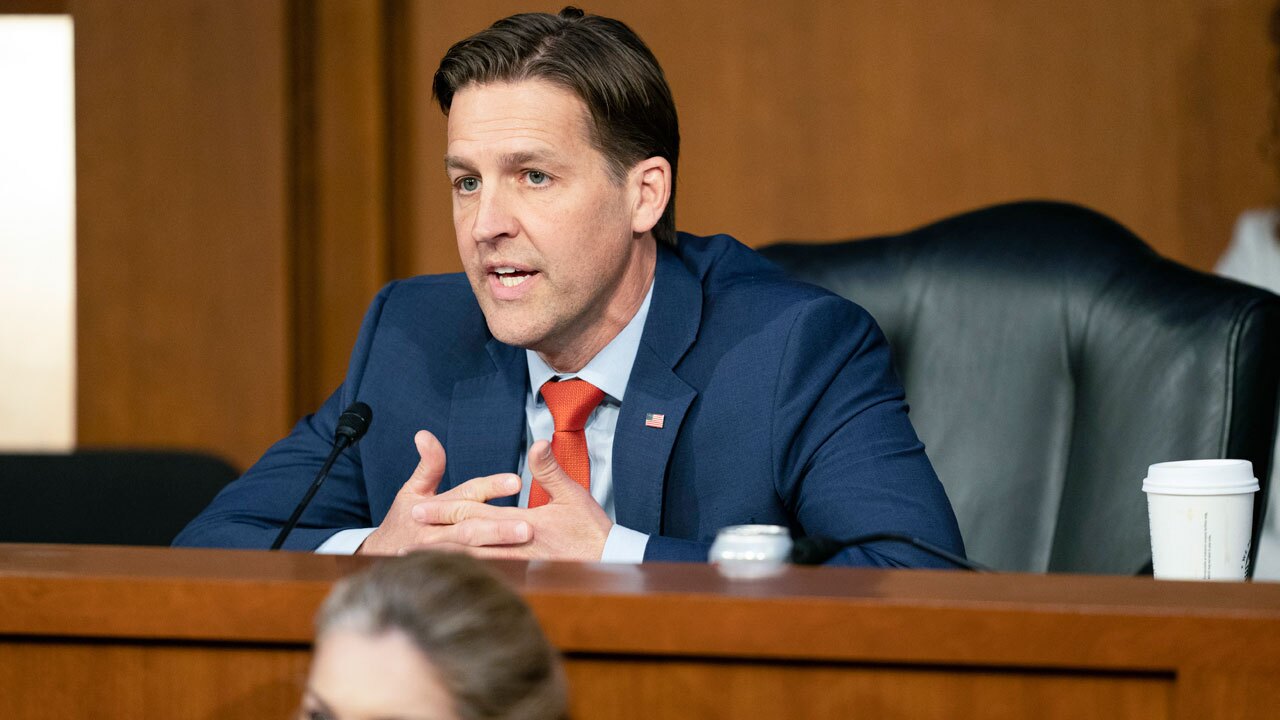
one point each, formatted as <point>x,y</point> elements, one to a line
<point>684,383</point>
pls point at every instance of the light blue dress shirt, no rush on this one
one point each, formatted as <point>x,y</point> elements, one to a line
<point>609,370</point>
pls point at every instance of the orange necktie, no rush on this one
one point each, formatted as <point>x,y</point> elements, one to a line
<point>570,403</point>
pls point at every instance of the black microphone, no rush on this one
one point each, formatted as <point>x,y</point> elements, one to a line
<point>352,425</point>
<point>817,550</point>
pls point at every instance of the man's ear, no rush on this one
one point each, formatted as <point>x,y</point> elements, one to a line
<point>651,180</point>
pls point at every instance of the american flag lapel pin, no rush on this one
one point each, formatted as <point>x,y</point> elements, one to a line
<point>654,420</point>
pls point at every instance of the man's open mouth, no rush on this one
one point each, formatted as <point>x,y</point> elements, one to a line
<point>511,277</point>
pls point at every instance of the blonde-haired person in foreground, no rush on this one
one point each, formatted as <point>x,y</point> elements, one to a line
<point>430,636</point>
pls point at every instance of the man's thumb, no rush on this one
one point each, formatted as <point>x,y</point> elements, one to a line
<point>545,469</point>
<point>426,476</point>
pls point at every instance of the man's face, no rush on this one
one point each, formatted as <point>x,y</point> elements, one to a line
<point>546,235</point>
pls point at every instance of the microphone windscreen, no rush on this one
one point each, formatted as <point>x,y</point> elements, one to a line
<point>353,423</point>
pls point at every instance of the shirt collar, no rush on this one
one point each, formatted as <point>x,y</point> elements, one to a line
<point>610,369</point>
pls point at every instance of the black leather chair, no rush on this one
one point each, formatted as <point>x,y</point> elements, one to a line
<point>110,497</point>
<point>1049,357</point>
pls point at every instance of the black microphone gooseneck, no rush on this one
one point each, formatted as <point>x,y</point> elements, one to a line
<point>352,425</point>
<point>817,550</point>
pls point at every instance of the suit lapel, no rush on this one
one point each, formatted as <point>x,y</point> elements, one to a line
<point>486,419</point>
<point>641,453</point>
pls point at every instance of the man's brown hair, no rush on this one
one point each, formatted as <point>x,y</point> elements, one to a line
<point>600,60</point>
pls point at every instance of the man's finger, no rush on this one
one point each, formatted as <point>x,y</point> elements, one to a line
<point>443,511</point>
<point>548,473</point>
<point>483,489</point>
<point>478,532</point>
<point>426,476</point>
<point>492,552</point>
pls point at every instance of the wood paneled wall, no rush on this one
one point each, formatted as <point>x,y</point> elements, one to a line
<point>251,171</point>
<point>184,219</point>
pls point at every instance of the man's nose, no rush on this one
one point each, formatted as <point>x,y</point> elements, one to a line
<point>495,217</point>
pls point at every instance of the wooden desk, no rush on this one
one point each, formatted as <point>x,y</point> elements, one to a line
<point>155,633</point>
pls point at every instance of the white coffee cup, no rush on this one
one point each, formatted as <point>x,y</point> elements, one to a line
<point>1201,514</point>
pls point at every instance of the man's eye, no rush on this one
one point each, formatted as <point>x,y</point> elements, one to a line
<point>469,184</point>
<point>536,177</point>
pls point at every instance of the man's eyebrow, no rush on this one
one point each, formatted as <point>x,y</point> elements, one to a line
<point>508,160</point>
<point>455,163</point>
<point>525,157</point>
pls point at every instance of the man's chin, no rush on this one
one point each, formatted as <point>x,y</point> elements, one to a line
<point>513,331</point>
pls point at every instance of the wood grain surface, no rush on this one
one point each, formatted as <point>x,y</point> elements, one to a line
<point>662,640</point>
<point>182,271</point>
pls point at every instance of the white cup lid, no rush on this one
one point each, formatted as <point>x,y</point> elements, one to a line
<point>1201,477</point>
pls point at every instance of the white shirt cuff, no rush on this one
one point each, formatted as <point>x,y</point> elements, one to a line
<point>623,545</point>
<point>347,542</point>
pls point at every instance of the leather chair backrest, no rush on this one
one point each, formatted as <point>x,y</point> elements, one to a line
<point>1049,357</point>
<point>110,497</point>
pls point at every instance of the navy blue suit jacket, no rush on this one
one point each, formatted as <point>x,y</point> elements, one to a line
<point>781,407</point>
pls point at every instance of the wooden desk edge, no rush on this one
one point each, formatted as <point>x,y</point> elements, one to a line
<point>817,615</point>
